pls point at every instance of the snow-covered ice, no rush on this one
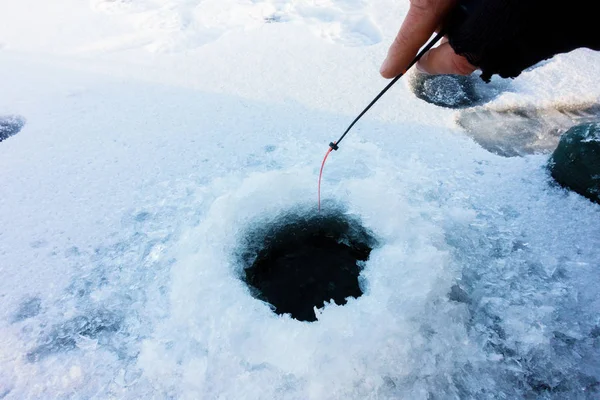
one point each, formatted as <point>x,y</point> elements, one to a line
<point>157,133</point>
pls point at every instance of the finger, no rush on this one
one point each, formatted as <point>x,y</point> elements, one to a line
<point>443,60</point>
<point>423,17</point>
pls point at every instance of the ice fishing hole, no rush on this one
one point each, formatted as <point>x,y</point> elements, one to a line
<point>10,125</point>
<point>302,260</point>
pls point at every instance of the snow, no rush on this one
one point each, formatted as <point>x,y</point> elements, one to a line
<point>159,132</point>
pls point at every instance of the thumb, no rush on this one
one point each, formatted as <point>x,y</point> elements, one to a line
<point>443,60</point>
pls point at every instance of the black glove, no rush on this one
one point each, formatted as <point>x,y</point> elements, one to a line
<point>505,37</point>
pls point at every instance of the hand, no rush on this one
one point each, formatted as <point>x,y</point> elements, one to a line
<point>423,19</point>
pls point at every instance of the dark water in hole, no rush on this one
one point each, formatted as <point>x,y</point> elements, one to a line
<point>301,261</point>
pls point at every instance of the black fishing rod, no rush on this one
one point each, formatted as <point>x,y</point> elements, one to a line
<point>458,15</point>
<point>335,145</point>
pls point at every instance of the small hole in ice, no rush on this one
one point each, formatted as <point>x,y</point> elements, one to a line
<point>299,262</point>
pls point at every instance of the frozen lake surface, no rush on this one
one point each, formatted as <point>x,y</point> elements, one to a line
<point>143,141</point>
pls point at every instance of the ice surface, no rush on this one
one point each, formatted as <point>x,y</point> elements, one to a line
<point>525,130</point>
<point>126,196</point>
<point>455,91</point>
<point>29,308</point>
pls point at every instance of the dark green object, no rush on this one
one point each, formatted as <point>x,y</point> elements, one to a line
<point>575,164</point>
